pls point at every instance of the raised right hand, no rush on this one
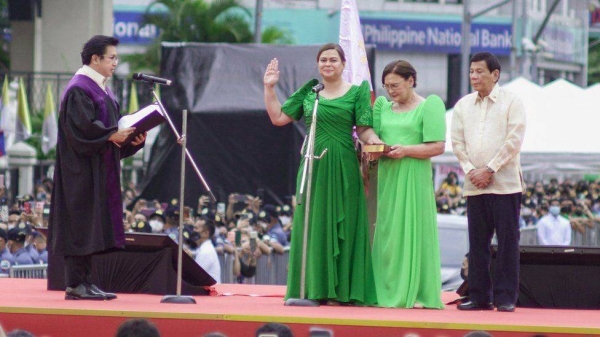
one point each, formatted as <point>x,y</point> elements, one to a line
<point>272,73</point>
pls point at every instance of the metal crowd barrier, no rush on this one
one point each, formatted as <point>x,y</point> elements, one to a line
<point>589,238</point>
<point>28,271</point>
<point>270,269</point>
<point>528,236</point>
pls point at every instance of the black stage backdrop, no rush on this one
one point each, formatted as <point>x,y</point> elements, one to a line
<point>230,135</point>
<point>558,277</point>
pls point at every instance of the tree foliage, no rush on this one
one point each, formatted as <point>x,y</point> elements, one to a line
<point>199,21</point>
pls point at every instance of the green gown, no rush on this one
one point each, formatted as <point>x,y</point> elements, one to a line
<point>338,265</point>
<point>406,253</point>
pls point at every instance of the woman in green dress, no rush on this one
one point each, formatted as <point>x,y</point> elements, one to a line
<point>338,260</point>
<point>406,254</point>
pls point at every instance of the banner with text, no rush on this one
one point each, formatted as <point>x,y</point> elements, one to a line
<point>129,28</point>
<point>435,36</point>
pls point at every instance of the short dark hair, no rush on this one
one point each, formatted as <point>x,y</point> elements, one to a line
<point>210,225</point>
<point>137,327</point>
<point>491,61</point>
<point>281,330</point>
<point>401,68</point>
<point>96,46</point>
<point>334,46</point>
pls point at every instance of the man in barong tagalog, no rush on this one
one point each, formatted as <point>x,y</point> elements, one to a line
<point>86,215</point>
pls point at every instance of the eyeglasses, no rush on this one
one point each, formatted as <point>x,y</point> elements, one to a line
<point>113,59</point>
<point>392,86</point>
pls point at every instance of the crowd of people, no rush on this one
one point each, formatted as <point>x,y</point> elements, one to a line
<point>243,227</point>
<point>570,205</point>
<point>331,261</point>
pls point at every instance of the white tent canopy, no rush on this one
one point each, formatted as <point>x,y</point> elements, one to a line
<point>563,128</point>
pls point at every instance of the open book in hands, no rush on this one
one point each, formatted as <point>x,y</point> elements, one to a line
<point>142,120</point>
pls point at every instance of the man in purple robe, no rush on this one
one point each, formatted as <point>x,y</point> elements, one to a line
<point>86,210</point>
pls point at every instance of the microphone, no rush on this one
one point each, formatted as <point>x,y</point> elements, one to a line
<point>318,87</point>
<point>151,79</point>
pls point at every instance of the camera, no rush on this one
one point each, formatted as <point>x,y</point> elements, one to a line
<point>240,198</point>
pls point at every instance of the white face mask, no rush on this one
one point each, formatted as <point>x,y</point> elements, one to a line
<point>156,225</point>
<point>285,219</point>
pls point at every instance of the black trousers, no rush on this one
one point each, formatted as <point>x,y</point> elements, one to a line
<point>486,213</point>
<point>78,270</point>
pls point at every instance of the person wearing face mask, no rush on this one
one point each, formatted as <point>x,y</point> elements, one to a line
<point>552,228</point>
<point>285,218</point>
<point>157,221</point>
<point>14,217</point>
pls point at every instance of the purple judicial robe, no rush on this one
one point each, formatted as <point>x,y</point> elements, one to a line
<point>86,214</point>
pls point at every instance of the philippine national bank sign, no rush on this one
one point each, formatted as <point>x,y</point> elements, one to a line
<point>435,36</point>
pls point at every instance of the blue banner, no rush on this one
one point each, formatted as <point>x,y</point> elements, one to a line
<point>435,36</point>
<point>129,30</point>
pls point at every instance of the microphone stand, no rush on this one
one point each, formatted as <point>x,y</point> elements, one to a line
<point>178,298</point>
<point>307,173</point>
<point>179,139</point>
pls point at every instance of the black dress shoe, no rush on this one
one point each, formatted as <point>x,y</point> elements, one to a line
<point>506,308</point>
<point>107,296</point>
<point>83,292</point>
<point>475,306</point>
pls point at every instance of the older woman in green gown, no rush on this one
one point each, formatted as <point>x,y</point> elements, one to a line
<point>406,254</point>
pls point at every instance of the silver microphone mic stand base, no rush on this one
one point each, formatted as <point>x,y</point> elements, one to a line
<point>301,302</point>
<point>178,299</point>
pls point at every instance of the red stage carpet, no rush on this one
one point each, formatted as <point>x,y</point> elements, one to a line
<point>26,304</point>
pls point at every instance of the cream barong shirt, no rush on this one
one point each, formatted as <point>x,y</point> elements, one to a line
<point>489,132</point>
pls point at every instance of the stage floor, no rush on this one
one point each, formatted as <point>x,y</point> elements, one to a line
<point>239,309</point>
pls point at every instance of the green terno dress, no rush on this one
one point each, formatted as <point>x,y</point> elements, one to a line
<point>406,253</point>
<point>338,265</point>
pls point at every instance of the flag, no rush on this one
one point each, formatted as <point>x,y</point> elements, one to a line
<point>134,105</point>
<point>8,119</point>
<point>23,127</point>
<point>353,44</point>
<point>49,127</point>
<point>356,71</point>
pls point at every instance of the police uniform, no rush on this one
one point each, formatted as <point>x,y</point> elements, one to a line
<point>44,256</point>
<point>172,212</point>
<point>22,257</point>
<point>33,253</point>
<point>5,261</point>
<point>173,233</point>
<point>5,255</point>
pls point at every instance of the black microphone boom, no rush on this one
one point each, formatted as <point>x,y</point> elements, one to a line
<point>318,87</point>
<point>151,79</point>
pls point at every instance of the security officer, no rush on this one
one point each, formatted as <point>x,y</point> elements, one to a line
<point>35,256</point>
<point>172,223</point>
<point>16,245</point>
<point>5,255</point>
